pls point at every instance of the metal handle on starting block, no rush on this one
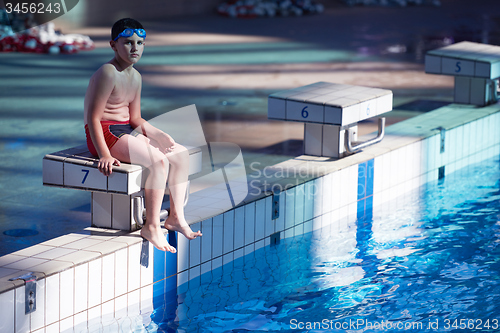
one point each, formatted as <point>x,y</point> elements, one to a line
<point>348,138</point>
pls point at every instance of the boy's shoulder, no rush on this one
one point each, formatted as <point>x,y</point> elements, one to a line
<point>107,70</point>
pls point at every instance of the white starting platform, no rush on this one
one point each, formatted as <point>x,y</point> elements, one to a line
<point>118,199</point>
<point>331,113</point>
<point>475,66</point>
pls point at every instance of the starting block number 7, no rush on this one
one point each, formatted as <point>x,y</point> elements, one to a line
<point>86,172</point>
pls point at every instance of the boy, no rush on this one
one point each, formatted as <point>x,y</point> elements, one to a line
<point>112,111</point>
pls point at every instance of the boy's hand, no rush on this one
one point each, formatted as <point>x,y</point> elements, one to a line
<point>166,142</point>
<point>106,164</point>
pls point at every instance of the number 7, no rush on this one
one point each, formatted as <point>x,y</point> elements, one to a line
<point>86,175</point>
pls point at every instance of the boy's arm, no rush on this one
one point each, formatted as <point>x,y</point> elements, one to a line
<point>100,89</point>
<point>136,121</point>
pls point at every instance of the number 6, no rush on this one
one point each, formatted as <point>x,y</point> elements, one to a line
<point>305,114</point>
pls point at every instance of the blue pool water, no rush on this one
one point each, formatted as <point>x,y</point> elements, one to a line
<point>426,262</point>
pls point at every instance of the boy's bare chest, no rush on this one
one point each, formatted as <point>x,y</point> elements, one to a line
<point>124,91</point>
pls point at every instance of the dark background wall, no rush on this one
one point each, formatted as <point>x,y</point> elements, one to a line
<point>106,12</point>
<point>99,12</point>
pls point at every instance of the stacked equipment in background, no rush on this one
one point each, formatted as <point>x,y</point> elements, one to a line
<point>35,38</point>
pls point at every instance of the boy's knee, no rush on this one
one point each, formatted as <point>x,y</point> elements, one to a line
<point>179,155</point>
<point>155,154</point>
<point>162,161</point>
<point>149,158</point>
<point>180,149</point>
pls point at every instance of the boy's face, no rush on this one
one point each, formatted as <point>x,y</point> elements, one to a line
<point>129,49</point>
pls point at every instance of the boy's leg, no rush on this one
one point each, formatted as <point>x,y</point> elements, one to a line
<point>137,150</point>
<point>177,184</point>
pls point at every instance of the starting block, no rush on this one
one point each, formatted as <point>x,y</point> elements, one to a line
<point>475,66</point>
<point>330,113</point>
<point>117,200</point>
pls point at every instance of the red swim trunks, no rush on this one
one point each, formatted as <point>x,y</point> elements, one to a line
<point>113,130</point>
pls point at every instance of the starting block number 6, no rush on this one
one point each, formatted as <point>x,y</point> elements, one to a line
<point>305,114</point>
<point>86,172</point>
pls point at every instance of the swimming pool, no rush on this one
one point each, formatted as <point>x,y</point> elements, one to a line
<point>425,262</point>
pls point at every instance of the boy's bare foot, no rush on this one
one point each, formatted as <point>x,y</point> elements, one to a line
<point>175,224</point>
<point>157,238</point>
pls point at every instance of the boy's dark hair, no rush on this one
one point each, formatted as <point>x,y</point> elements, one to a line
<point>124,23</point>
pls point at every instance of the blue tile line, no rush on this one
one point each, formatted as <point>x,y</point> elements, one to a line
<point>365,189</point>
<point>361,180</point>
<point>164,272</point>
<point>369,173</point>
<point>159,262</point>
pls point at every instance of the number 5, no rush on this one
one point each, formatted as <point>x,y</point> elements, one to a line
<point>86,172</point>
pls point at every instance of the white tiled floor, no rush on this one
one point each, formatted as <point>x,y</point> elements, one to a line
<point>54,253</point>
<point>26,263</point>
<point>67,296</point>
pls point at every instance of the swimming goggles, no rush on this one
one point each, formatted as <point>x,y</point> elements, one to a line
<point>129,32</point>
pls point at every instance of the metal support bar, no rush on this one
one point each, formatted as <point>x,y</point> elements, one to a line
<point>29,291</point>
<point>495,90</point>
<point>348,136</point>
<point>275,205</point>
<point>187,193</point>
<point>138,208</point>
<point>145,253</point>
<point>140,212</point>
<point>492,91</point>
